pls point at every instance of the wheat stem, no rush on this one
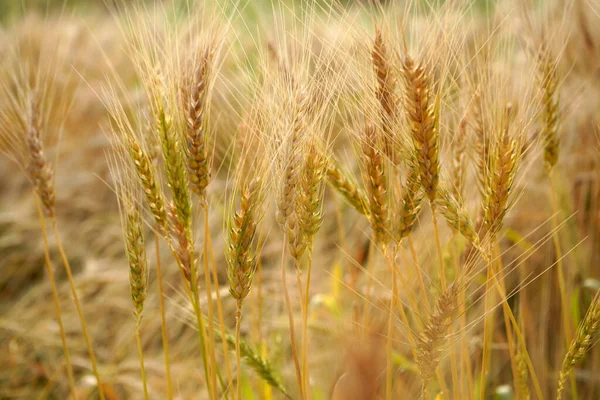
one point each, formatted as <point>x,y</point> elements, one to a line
<point>290,314</point>
<point>306,299</point>
<point>208,288</point>
<point>163,318</point>
<point>238,321</point>
<point>84,330</point>
<point>487,329</point>
<point>560,276</point>
<point>48,265</point>
<point>141,356</point>
<point>220,313</point>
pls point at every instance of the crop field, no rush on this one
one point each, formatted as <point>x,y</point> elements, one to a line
<point>300,199</point>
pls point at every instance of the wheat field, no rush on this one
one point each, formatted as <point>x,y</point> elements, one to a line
<point>299,199</point>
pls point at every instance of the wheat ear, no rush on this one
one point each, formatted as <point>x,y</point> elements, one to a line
<point>241,258</point>
<point>138,276</point>
<point>376,184</point>
<point>385,92</point>
<point>338,180</point>
<point>584,339</point>
<point>39,170</point>
<point>421,115</point>
<point>41,173</point>
<point>197,153</point>
<point>434,334</point>
<point>548,81</point>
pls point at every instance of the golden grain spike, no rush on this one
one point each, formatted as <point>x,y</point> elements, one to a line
<point>385,92</point>
<point>586,335</point>
<point>197,153</point>
<point>376,183</point>
<point>136,255</point>
<point>548,80</point>
<point>412,203</point>
<point>420,108</point>
<point>344,186</point>
<point>241,256</point>
<point>39,170</point>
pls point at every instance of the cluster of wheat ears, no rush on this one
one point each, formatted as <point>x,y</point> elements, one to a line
<point>400,127</point>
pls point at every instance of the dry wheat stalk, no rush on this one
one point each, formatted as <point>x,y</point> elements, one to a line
<point>421,115</point>
<point>375,180</point>
<point>39,170</point>
<point>522,374</point>
<point>584,339</point>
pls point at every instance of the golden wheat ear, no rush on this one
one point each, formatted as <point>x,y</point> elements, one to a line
<point>586,336</point>
<point>548,82</point>
<point>376,183</point>
<point>420,104</point>
<point>39,169</point>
